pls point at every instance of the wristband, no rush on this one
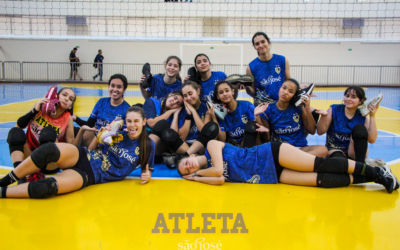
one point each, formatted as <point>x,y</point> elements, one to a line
<point>194,174</point>
<point>188,117</point>
<point>34,111</point>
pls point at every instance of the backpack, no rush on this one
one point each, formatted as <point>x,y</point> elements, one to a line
<point>95,63</point>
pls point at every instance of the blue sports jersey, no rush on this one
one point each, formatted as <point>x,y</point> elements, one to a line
<point>194,131</point>
<point>207,87</point>
<point>339,132</point>
<point>114,163</point>
<point>105,113</point>
<point>268,78</point>
<point>234,122</point>
<point>152,109</point>
<point>286,125</point>
<point>159,89</point>
<point>251,165</point>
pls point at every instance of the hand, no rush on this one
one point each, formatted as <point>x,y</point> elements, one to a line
<point>107,127</point>
<point>145,176</point>
<point>373,109</point>
<point>321,111</point>
<point>189,177</point>
<point>211,112</point>
<point>261,109</point>
<point>261,129</point>
<point>187,107</point>
<point>142,79</point>
<point>38,105</point>
<point>305,100</point>
<point>87,128</point>
<point>304,86</point>
<point>186,78</point>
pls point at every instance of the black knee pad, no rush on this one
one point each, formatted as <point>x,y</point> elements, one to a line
<point>45,154</point>
<point>43,188</point>
<point>359,132</point>
<point>331,165</point>
<point>338,154</point>
<point>328,180</point>
<point>172,139</point>
<point>160,127</point>
<point>48,134</point>
<point>208,133</point>
<point>16,139</point>
<point>250,134</point>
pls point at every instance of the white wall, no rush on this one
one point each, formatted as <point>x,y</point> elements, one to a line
<point>157,52</point>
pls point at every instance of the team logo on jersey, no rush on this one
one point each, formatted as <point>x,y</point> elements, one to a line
<point>278,69</point>
<point>118,117</point>
<point>244,119</point>
<point>137,151</point>
<point>296,118</point>
<point>105,164</point>
<point>254,179</point>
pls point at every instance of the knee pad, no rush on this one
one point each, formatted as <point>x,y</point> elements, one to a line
<point>208,133</point>
<point>172,139</point>
<point>331,165</point>
<point>160,127</point>
<point>45,154</point>
<point>328,180</point>
<point>48,134</point>
<point>250,134</point>
<point>16,139</point>
<point>338,154</point>
<point>359,132</point>
<point>43,188</point>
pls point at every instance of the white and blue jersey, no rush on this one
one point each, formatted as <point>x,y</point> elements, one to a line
<point>250,165</point>
<point>159,89</point>
<point>268,78</point>
<point>194,131</point>
<point>114,163</point>
<point>207,87</point>
<point>235,121</point>
<point>286,125</point>
<point>339,132</point>
<point>105,113</point>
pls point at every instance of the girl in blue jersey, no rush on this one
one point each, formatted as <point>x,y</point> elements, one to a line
<point>278,162</point>
<point>288,123</point>
<point>238,127</point>
<point>157,110</point>
<point>107,109</point>
<point>347,131</point>
<point>269,71</point>
<point>205,77</point>
<point>86,166</point>
<point>163,84</point>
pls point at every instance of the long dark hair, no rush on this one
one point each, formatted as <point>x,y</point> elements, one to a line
<point>145,143</point>
<point>260,34</point>
<point>360,93</point>
<point>121,77</point>
<point>194,85</point>
<point>215,96</point>
<point>292,101</point>
<point>179,63</point>
<point>71,111</point>
<point>173,93</point>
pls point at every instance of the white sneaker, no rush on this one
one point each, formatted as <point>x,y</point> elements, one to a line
<point>219,109</point>
<point>364,108</point>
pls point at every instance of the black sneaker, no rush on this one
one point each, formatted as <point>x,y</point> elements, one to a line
<point>192,72</point>
<point>386,178</point>
<point>170,160</point>
<point>147,76</point>
<point>246,80</point>
<point>302,92</point>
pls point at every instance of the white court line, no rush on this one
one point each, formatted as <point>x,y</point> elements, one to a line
<point>18,102</point>
<point>393,162</point>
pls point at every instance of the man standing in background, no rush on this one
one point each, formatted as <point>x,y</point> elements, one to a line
<point>73,61</point>
<point>98,63</point>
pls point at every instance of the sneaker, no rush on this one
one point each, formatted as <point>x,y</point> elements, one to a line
<point>301,93</point>
<point>192,72</point>
<point>397,184</point>
<point>219,109</point>
<point>386,178</point>
<point>246,80</point>
<point>50,107</point>
<point>113,136</point>
<point>147,76</point>
<point>375,101</point>
<point>35,177</point>
<point>378,162</point>
<point>171,160</point>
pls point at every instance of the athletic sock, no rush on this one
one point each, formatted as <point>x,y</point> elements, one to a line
<point>3,192</point>
<point>361,179</point>
<point>16,163</point>
<point>365,170</point>
<point>360,138</point>
<point>8,179</point>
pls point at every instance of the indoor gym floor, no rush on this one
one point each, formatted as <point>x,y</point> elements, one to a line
<point>121,215</point>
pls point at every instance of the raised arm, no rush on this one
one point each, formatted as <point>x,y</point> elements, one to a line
<point>325,122</point>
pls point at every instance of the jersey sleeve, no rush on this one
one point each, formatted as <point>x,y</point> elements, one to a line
<point>149,109</point>
<point>96,109</point>
<point>221,125</point>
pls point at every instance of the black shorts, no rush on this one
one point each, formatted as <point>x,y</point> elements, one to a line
<point>74,66</point>
<point>275,148</point>
<point>83,168</point>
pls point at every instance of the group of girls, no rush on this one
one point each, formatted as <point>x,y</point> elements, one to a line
<point>181,125</point>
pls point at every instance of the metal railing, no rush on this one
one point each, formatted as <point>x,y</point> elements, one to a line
<point>320,75</point>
